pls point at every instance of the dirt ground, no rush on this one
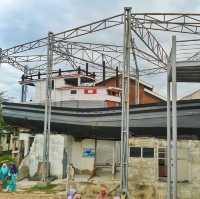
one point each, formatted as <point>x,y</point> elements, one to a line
<point>57,189</point>
<point>29,190</point>
<point>29,196</point>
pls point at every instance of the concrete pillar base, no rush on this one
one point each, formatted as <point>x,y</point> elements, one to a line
<point>44,170</point>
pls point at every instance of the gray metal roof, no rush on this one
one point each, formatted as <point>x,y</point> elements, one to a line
<point>188,71</point>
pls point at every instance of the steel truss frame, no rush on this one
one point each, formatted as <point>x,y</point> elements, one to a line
<point>64,49</point>
<point>173,22</point>
<point>89,52</point>
<point>143,23</point>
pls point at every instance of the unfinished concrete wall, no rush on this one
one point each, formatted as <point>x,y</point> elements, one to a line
<point>106,150</point>
<point>144,172</point>
<point>83,155</point>
<point>65,149</point>
<point>57,155</point>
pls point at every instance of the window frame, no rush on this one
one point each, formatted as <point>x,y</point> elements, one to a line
<point>137,148</point>
<point>153,154</point>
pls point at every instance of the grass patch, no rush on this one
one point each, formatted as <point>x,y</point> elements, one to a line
<point>7,159</point>
<point>46,188</point>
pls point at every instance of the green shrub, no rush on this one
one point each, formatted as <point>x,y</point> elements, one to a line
<point>7,159</point>
<point>47,188</point>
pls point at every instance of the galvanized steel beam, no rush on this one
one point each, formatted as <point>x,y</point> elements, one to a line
<point>125,103</point>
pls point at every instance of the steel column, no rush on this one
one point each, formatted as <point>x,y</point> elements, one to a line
<point>113,158</point>
<point>47,119</point>
<point>104,68</point>
<point>24,87</point>
<point>125,103</point>
<point>137,87</point>
<point>174,118</point>
<point>0,56</point>
<point>86,68</point>
<point>137,74</point>
<point>169,191</point>
<point>117,77</point>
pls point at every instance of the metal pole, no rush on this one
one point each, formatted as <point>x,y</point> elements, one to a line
<point>137,74</point>
<point>47,119</point>
<point>137,87</point>
<point>125,103</point>
<point>24,86</point>
<point>0,56</point>
<point>117,77</point>
<point>113,158</point>
<point>174,117</point>
<point>169,195</point>
<point>86,68</point>
<point>104,70</point>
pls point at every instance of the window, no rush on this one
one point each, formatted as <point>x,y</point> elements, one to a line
<point>148,153</point>
<point>135,152</point>
<point>71,81</point>
<point>113,93</point>
<point>139,152</point>
<point>162,163</point>
<point>73,92</point>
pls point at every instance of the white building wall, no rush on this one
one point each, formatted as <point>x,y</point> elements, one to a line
<point>59,82</point>
<point>78,160</point>
<point>40,91</point>
<point>65,95</point>
<point>56,154</point>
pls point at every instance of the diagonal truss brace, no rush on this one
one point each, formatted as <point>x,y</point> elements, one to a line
<point>12,62</point>
<point>151,42</point>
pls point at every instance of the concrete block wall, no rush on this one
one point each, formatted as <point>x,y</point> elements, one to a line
<point>143,172</point>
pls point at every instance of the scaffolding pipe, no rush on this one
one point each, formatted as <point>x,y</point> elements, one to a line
<point>47,119</point>
<point>125,102</point>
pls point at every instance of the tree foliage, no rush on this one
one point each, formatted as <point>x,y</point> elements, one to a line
<point>2,123</point>
<point>2,96</point>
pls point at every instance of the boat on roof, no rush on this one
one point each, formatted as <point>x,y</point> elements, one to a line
<point>85,110</point>
<point>105,123</point>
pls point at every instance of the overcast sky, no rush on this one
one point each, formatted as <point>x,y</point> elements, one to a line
<point>24,20</point>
